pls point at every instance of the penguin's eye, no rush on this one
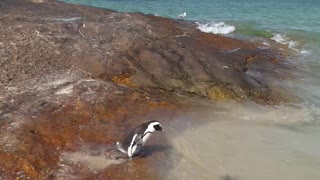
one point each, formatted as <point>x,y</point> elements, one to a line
<point>157,127</point>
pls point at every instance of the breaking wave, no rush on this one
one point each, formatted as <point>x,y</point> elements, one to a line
<point>216,28</point>
<point>291,44</point>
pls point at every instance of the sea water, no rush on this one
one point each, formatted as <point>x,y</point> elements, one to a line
<point>247,141</point>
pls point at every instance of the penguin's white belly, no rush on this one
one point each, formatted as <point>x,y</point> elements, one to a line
<point>145,138</point>
<point>134,150</point>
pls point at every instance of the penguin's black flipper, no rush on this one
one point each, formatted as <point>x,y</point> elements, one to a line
<point>138,140</point>
<point>138,143</point>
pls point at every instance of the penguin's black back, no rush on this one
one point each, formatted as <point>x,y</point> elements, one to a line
<point>139,130</point>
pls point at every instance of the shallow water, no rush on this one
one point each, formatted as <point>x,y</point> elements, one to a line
<point>247,142</point>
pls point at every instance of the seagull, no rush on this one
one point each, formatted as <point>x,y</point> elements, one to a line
<point>182,15</point>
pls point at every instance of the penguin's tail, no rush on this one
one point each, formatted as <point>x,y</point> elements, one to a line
<point>120,148</point>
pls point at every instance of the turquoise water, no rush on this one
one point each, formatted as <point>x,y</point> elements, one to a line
<point>273,14</point>
<point>298,18</point>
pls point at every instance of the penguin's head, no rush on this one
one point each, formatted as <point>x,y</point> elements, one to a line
<point>155,126</point>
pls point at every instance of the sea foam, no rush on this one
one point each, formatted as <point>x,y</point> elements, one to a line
<point>293,45</point>
<point>216,28</point>
<point>283,39</point>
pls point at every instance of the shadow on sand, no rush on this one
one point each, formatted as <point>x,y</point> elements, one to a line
<point>150,149</point>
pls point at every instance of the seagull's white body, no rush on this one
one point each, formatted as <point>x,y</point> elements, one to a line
<point>182,15</point>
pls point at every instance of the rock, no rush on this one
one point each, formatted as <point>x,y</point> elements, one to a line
<point>137,50</point>
<point>73,75</point>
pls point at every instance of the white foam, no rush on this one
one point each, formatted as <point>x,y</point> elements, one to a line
<point>216,28</point>
<point>305,52</point>
<point>280,38</point>
<point>293,45</point>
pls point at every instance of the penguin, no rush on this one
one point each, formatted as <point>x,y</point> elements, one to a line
<point>136,139</point>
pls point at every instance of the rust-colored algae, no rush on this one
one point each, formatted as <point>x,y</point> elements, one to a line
<point>124,79</point>
<point>16,167</point>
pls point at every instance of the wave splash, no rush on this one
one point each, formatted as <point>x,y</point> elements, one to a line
<point>216,28</point>
<point>294,45</point>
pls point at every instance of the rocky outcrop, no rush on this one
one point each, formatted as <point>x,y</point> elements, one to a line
<point>74,75</point>
<point>140,51</point>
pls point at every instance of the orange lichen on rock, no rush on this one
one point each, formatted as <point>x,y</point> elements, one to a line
<point>220,93</point>
<point>124,79</point>
<point>250,59</point>
<point>16,167</point>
